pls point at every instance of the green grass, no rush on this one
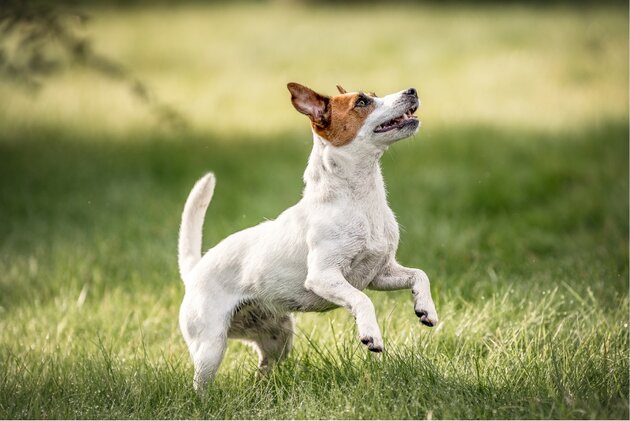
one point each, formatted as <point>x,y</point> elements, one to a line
<point>506,65</point>
<point>513,198</point>
<point>524,234</point>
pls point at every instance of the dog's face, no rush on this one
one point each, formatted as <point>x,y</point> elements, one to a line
<point>352,117</point>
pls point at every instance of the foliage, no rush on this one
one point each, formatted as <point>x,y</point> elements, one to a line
<point>39,38</point>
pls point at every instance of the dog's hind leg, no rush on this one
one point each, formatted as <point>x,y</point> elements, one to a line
<point>207,355</point>
<point>270,334</point>
<point>205,326</point>
<point>274,342</point>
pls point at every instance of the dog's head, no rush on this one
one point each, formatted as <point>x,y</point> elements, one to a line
<point>357,116</point>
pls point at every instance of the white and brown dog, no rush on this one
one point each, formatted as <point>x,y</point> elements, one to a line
<point>317,255</point>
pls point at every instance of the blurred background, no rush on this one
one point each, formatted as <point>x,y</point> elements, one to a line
<point>224,65</point>
<point>513,197</point>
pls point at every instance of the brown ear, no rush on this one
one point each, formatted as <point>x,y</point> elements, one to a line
<point>341,90</point>
<point>309,102</point>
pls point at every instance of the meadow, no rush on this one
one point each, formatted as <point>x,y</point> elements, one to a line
<point>513,197</point>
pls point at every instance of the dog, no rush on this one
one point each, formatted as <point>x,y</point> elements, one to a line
<point>319,254</point>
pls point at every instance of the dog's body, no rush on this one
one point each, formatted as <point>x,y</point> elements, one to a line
<point>317,255</point>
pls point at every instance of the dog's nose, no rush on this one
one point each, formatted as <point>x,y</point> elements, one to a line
<point>411,92</point>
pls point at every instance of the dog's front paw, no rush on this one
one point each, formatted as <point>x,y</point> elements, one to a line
<point>369,332</point>
<point>427,316</point>
<point>374,345</point>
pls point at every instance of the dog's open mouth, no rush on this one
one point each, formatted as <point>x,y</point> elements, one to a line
<point>398,122</point>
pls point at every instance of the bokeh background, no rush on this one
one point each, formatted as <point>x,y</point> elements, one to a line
<point>513,197</point>
<point>511,65</point>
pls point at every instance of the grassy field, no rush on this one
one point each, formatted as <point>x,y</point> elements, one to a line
<point>502,66</point>
<point>518,211</point>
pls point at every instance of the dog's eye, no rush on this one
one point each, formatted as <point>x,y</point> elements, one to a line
<point>361,102</point>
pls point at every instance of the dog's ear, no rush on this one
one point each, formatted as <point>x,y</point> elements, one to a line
<point>310,103</point>
<point>341,90</point>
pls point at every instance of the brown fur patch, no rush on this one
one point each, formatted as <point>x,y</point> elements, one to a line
<point>344,119</point>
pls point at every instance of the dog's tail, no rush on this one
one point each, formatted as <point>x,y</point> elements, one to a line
<point>192,224</point>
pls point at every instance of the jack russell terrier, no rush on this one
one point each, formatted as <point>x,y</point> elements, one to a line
<point>339,239</point>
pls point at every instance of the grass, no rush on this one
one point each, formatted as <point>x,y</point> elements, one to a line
<point>513,198</point>
<point>524,234</point>
<point>513,66</point>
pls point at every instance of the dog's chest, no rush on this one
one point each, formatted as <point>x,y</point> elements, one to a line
<point>380,240</point>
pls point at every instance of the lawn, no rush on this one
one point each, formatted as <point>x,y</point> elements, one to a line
<point>521,221</point>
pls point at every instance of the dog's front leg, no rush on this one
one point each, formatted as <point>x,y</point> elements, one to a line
<point>331,285</point>
<point>395,276</point>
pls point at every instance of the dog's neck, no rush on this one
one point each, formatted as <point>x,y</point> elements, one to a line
<point>352,173</point>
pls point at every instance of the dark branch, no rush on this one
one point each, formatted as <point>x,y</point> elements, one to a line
<point>38,39</point>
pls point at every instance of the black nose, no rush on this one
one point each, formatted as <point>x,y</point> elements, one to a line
<point>411,92</point>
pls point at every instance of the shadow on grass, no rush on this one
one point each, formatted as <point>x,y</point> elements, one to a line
<point>482,210</point>
<point>106,213</point>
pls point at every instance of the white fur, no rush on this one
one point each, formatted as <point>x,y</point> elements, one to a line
<point>339,239</point>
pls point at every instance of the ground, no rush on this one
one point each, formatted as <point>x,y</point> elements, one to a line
<point>514,200</point>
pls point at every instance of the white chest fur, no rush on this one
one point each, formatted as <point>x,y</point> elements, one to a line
<point>381,241</point>
<point>346,193</point>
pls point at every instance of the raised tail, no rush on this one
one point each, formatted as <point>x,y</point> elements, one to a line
<point>192,223</point>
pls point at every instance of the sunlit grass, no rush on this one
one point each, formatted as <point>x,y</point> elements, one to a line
<point>225,67</point>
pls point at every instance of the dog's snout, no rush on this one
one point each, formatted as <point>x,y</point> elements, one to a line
<point>411,92</point>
